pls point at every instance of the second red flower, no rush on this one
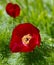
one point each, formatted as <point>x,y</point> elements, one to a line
<point>13,10</point>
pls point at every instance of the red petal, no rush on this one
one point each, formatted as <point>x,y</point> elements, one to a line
<point>16,10</point>
<point>24,29</point>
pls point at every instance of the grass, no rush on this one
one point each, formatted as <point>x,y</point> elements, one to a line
<point>41,14</point>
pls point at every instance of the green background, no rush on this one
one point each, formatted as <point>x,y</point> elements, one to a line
<point>41,14</point>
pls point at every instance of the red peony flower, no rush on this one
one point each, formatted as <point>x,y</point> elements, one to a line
<point>25,37</point>
<point>13,10</point>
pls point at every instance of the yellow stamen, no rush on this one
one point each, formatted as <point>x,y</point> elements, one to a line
<point>26,38</point>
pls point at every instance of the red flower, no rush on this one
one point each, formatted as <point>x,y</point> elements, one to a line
<point>25,37</point>
<point>13,10</point>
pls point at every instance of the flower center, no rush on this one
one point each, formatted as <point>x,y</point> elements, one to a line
<point>26,39</point>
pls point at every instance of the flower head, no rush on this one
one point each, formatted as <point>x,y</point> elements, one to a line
<point>13,10</point>
<point>25,37</point>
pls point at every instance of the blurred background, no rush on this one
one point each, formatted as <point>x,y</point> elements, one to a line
<point>40,13</point>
